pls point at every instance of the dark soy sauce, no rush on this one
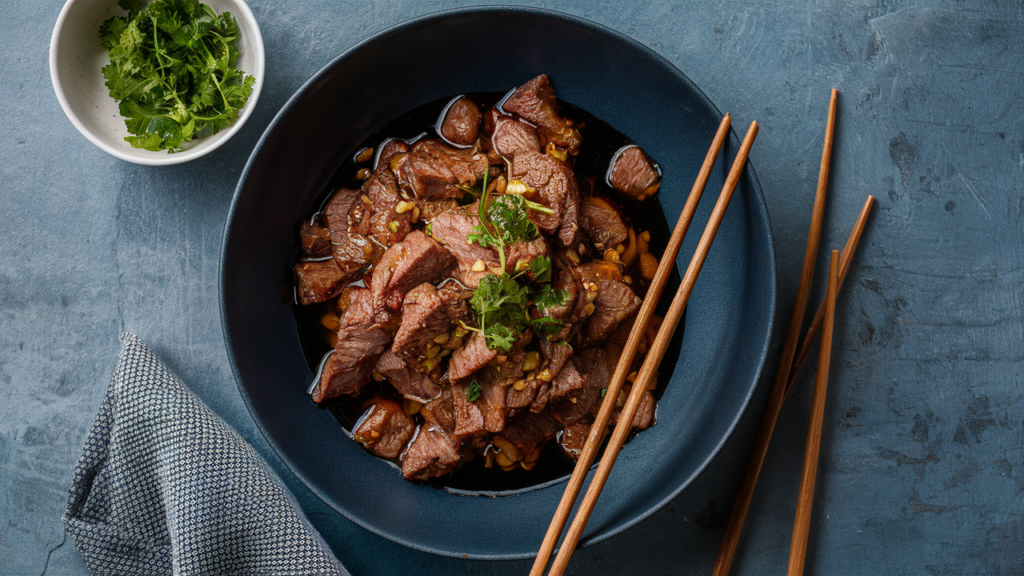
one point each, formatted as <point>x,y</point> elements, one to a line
<point>600,142</point>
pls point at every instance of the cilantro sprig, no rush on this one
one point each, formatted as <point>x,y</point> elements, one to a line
<point>172,70</point>
<point>502,307</point>
<point>504,221</point>
<point>473,391</point>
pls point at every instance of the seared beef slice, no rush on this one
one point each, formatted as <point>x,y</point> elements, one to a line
<point>434,170</point>
<point>319,281</point>
<point>406,265</point>
<point>615,302</point>
<point>634,174</point>
<point>363,336</point>
<point>433,452</point>
<point>461,124</point>
<point>405,379</point>
<point>535,101</point>
<point>385,429</point>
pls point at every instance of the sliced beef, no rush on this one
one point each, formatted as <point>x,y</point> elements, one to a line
<point>567,383</point>
<point>434,170</point>
<point>319,281</point>
<point>530,430</point>
<point>519,255</point>
<point>429,209</point>
<point>461,124</point>
<point>433,452</point>
<point>440,412</point>
<point>425,316</point>
<point>644,416</point>
<point>535,102</point>
<point>615,302</point>
<point>406,265</point>
<point>363,336</point>
<point>405,379</point>
<point>574,438</point>
<point>602,223</point>
<point>512,137</point>
<point>384,429</point>
<point>492,404</point>
<point>469,420</point>
<point>556,189</point>
<point>451,229</point>
<point>633,173</point>
<point>316,239</point>
<point>351,247</point>
<point>473,356</point>
<point>596,369</point>
<point>518,399</point>
<point>391,149</point>
<point>556,354</point>
<point>387,226</point>
<point>541,401</point>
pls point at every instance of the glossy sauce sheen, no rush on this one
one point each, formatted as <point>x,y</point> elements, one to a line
<point>600,142</point>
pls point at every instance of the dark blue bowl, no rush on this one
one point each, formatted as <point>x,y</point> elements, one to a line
<point>728,325</point>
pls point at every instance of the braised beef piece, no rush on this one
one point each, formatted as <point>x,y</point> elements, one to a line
<point>512,137</point>
<point>567,382</point>
<point>387,225</point>
<point>556,354</point>
<point>555,186</point>
<point>461,124</point>
<point>406,265</point>
<point>426,315</point>
<point>596,369</point>
<point>492,404</point>
<point>535,101</point>
<point>602,223</point>
<point>433,452</point>
<point>316,239</point>
<point>634,174</point>
<point>384,429</point>
<point>406,380</point>
<point>429,209</point>
<point>434,170</point>
<point>615,302</point>
<point>518,399</point>
<point>530,430</point>
<point>644,413</point>
<point>451,229</point>
<point>319,281</point>
<point>574,438</point>
<point>520,255</point>
<point>440,412</point>
<point>390,149</point>
<point>469,420</point>
<point>472,356</point>
<point>541,401</point>
<point>363,336</point>
<point>351,248</point>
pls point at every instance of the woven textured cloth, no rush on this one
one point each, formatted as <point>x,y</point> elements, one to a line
<point>165,486</point>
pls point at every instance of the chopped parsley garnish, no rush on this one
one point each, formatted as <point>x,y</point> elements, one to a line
<point>473,392</point>
<point>502,308</point>
<point>172,68</point>
<point>504,221</point>
<point>540,269</point>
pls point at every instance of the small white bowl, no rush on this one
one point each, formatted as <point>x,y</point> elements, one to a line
<point>77,55</point>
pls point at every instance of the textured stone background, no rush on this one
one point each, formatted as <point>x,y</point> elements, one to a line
<point>922,468</point>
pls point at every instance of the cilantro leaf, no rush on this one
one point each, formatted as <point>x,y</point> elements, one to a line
<point>172,71</point>
<point>473,392</point>
<point>540,269</point>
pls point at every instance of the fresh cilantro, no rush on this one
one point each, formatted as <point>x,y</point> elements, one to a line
<point>502,309</point>
<point>548,297</point>
<point>540,269</point>
<point>172,70</point>
<point>473,392</point>
<point>504,221</point>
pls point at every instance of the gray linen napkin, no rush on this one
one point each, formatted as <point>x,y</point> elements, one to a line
<point>165,486</point>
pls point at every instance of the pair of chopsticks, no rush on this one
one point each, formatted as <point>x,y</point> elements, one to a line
<point>654,356</point>
<point>789,366</point>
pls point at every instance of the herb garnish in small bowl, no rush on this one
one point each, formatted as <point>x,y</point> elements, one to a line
<point>172,68</point>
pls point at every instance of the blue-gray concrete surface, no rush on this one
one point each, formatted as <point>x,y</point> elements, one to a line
<point>922,463</point>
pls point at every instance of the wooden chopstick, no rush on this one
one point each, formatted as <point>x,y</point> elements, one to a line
<point>653,359</point>
<point>847,258</point>
<point>778,393</point>
<point>802,524</point>
<point>594,439</point>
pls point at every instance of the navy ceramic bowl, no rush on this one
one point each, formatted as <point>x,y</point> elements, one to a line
<point>718,356</point>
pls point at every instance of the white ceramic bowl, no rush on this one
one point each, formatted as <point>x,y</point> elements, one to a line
<point>77,55</point>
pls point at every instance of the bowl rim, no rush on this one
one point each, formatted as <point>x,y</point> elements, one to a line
<point>161,158</point>
<point>761,210</point>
